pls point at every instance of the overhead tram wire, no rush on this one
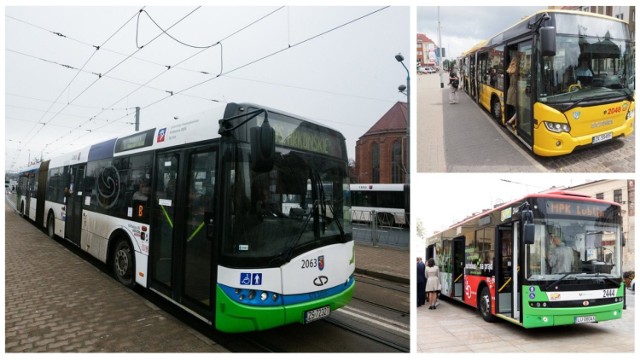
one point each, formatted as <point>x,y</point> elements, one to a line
<point>270,55</point>
<point>167,69</point>
<point>70,82</point>
<point>114,67</point>
<point>102,47</point>
<point>70,67</point>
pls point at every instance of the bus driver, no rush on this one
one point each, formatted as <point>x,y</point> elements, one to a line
<point>561,257</point>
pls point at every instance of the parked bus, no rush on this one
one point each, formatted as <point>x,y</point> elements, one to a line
<point>545,260</point>
<point>573,83</point>
<point>389,201</point>
<point>192,211</point>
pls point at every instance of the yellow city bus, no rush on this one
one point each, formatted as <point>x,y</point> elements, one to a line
<point>574,80</point>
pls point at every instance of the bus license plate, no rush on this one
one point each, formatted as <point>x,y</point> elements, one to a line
<point>585,319</point>
<point>316,314</point>
<point>602,137</point>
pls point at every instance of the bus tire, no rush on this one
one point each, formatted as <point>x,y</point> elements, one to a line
<point>496,111</point>
<point>123,263</point>
<point>485,305</point>
<point>51,225</point>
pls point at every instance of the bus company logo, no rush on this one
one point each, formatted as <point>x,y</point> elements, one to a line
<point>601,123</point>
<point>576,115</point>
<point>320,281</point>
<point>321,262</point>
<point>554,296</point>
<point>161,135</point>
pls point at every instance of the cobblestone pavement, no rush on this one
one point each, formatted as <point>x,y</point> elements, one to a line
<point>57,302</point>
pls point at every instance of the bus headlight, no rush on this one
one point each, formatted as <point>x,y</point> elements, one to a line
<point>557,127</point>
<point>631,114</point>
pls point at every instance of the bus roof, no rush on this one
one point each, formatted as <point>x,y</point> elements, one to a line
<point>551,194</point>
<point>190,129</point>
<point>521,30</point>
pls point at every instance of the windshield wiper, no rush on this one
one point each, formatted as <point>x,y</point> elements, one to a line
<point>616,284</point>
<point>562,278</point>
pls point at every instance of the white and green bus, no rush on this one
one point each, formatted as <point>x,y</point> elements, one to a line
<point>193,212</point>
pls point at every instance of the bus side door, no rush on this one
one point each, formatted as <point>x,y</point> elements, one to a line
<point>181,255</point>
<point>74,198</point>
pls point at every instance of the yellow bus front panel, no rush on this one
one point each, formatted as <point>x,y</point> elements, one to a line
<point>557,133</point>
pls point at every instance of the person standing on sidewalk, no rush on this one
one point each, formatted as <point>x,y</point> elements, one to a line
<point>454,82</point>
<point>422,282</point>
<point>433,282</point>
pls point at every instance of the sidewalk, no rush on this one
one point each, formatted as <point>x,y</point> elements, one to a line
<point>383,262</point>
<point>430,123</point>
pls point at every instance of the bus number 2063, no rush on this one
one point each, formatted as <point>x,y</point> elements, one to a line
<point>313,263</point>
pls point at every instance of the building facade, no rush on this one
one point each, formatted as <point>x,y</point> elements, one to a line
<point>381,153</point>
<point>426,52</point>
<point>622,192</point>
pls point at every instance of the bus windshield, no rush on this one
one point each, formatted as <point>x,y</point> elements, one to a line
<point>301,202</point>
<point>580,248</point>
<point>593,61</point>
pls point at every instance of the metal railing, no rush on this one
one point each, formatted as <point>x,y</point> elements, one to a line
<point>381,228</point>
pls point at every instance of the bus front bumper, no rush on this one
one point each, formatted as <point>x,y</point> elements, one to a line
<point>233,317</point>
<point>570,316</point>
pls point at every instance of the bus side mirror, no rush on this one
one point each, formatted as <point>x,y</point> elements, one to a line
<point>263,147</point>
<point>548,40</point>
<point>528,231</point>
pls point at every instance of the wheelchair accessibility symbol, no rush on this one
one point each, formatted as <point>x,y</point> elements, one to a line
<point>250,278</point>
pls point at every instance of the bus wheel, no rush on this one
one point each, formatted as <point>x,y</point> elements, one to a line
<point>123,263</point>
<point>485,305</point>
<point>51,226</point>
<point>496,112</point>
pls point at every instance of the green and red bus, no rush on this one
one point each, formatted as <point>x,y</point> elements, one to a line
<point>502,260</point>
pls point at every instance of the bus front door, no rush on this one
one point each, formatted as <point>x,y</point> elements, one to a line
<point>180,252</point>
<point>507,272</point>
<point>523,93</point>
<point>457,269</point>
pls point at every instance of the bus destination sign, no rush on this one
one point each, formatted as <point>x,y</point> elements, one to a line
<point>576,208</point>
<point>306,138</point>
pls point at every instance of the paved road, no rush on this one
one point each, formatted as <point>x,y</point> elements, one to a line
<point>454,327</point>
<point>57,302</point>
<point>463,138</point>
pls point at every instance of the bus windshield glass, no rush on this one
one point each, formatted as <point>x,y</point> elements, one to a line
<point>593,61</point>
<point>300,203</point>
<point>575,240</point>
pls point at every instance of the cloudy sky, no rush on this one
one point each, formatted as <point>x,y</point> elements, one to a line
<point>334,65</point>
<point>464,26</point>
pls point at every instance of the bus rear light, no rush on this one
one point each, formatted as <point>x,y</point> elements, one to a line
<point>557,127</point>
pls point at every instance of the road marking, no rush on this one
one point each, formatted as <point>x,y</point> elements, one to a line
<point>369,317</point>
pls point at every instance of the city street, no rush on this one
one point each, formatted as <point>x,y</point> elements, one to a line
<point>463,138</point>
<point>443,329</point>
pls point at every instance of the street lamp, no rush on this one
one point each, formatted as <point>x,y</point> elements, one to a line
<point>400,59</point>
